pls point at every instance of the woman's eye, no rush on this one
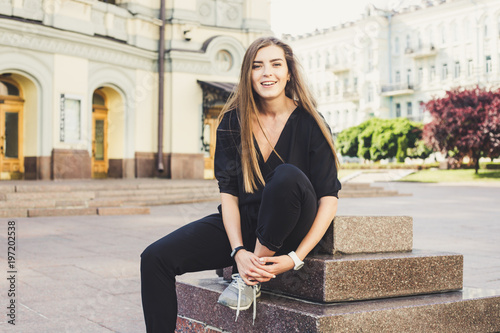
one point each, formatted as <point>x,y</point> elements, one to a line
<point>256,66</point>
<point>277,64</point>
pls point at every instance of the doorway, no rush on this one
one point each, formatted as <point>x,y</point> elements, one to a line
<point>11,130</point>
<point>100,162</point>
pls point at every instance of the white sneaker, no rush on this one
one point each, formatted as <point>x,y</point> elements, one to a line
<point>240,296</point>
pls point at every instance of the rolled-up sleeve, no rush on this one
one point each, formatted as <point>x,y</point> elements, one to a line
<point>323,170</point>
<point>227,158</point>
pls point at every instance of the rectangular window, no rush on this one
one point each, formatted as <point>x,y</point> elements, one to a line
<point>370,60</point>
<point>489,65</point>
<point>421,109</point>
<point>444,72</point>
<point>457,69</point>
<point>432,73</point>
<point>455,32</point>
<point>420,75</point>
<point>370,93</point>
<point>409,79</point>
<point>398,110</point>
<point>470,67</point>
<point>398,77</point>
<point>346,83</point>
<point>409,109</point>
<point>355,84</point>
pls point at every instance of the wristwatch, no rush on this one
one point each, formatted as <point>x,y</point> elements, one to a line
<point>236,249</point>
<point>298,263</point>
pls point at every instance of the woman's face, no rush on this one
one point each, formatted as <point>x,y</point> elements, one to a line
<point>270,73</point>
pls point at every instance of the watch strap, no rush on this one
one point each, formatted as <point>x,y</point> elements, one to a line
<point>236,249</point>
<point>298,263</point>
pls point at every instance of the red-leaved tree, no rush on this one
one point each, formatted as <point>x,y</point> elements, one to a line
<point>465,123</point>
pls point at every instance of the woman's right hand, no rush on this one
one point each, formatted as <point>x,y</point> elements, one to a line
<point>250,268</point>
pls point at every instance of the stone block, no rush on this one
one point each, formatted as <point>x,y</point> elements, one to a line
<point>82,195</point>
<point>29,188</point>
<point>334,278</point>
<point>13,212</point>
<point>104,203</point>
<point>5,189</point>
<point>368,234</point>
<point>61,212</point>
<point>460,311</point>
<point>123,210</point>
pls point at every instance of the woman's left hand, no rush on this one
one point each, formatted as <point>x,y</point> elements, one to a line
<point>277,265</point>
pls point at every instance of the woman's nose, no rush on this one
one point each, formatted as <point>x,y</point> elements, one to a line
<point>267,70</point>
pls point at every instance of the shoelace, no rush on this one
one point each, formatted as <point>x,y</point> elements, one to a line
<point>240,284</point>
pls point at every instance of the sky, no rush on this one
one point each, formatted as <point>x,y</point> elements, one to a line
<point>300,16</point>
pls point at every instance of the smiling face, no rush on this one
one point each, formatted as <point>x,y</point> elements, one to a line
<point>270,73</point>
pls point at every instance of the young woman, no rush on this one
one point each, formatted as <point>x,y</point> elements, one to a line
<point>277,173</point>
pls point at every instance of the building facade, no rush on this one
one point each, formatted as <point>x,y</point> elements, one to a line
<point>389,63</point>
<point>79,84</point>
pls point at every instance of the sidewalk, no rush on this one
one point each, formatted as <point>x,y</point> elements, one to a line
<point>81,273</point>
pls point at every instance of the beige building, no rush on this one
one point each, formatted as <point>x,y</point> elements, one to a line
<point>390,62</point>
<point>79,84</point>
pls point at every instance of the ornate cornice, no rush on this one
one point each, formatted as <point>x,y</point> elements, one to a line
<point>40,38</point>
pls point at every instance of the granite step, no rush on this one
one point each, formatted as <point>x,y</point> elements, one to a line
<point>106,185</point>
<point>369,194</point>
<point>88,211</point>
<point>466,311</point>
<point>156,191</point>
<point>368,234</point>
<point>84,195</point>
<point>337,278</point>
<point>13,212</point>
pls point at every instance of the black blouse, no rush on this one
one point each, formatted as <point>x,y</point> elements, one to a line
<point>301,143</point>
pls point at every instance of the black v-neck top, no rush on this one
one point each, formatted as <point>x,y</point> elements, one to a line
<point>301,143</point>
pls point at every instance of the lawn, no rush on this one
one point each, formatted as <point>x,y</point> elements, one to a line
<point>462,175</point>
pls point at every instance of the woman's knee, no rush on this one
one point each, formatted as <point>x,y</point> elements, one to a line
<point>286,175</point>
<point>155,257</point>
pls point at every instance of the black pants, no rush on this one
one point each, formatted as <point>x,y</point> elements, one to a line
<point>286,213</point>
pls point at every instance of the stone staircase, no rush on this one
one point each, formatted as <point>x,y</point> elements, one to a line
<point>121,196</point>
<point>366,190</point>
<point>101,197</point>
<point>364,276</point>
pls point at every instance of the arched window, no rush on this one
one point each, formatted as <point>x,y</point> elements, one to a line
<point>467,30</point>
<point>498,25</point>
<point>485,27</point>
<point>98,99</point>
<point>8,89</point>
<point>443,35</point>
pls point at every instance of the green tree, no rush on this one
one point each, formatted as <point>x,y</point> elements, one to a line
<point>377,139</point>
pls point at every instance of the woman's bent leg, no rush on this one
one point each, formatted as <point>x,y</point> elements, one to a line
<point>198,246</point>
<point>288,209</point>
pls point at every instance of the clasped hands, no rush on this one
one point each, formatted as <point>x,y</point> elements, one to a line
<point>253,269</point>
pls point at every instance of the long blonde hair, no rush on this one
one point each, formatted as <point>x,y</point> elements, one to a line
<point>246,101</point>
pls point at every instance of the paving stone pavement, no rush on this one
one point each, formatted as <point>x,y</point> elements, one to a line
<point>81,273</point>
